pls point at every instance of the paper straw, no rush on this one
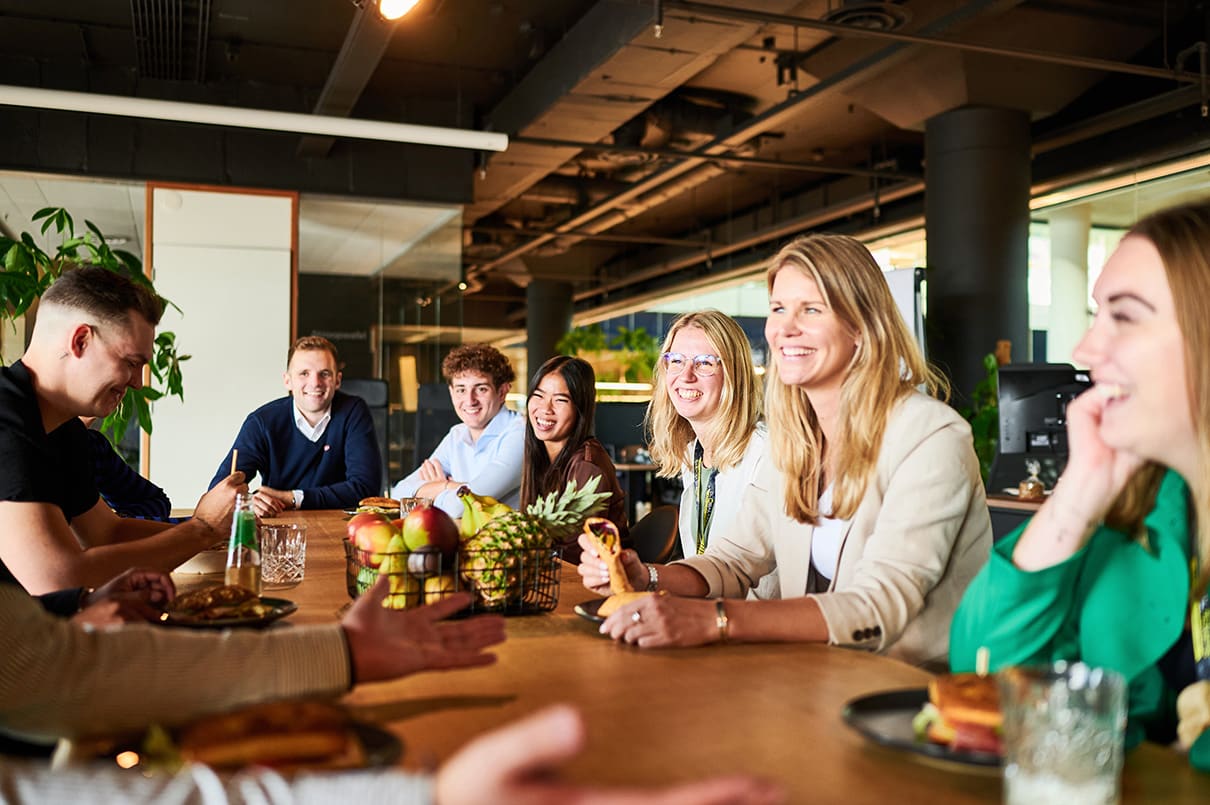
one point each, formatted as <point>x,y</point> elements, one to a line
<point>983,658</point>
<point>234,456</point>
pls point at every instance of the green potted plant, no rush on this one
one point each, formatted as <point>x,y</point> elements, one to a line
<point>28,270</point>
<point>631,353</point>
<point>983,414</point>
<point>641,351</point>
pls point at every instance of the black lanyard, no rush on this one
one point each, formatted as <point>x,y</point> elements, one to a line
<point>705,509</point>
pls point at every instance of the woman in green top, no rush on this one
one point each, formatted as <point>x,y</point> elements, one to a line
<point>1102,572</point>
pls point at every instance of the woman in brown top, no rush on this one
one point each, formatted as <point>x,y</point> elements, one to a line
<point>559,441</point>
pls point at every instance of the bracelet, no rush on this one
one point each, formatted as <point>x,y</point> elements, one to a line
<point>653,579</point>
<point>721,620</point>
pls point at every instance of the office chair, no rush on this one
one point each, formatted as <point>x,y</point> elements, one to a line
<point>654,537</point>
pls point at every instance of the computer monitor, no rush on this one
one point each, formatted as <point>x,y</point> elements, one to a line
<point>1032,400</point>
<point>620,425</point>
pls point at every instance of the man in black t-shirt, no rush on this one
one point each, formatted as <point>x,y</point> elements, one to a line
<point>93,336</point>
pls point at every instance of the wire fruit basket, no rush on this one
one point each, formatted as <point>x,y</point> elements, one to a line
<point>509,582</point>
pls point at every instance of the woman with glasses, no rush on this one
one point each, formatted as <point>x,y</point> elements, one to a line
<point>559,441</point>
<point>704,422</point>
<point>869,508</point>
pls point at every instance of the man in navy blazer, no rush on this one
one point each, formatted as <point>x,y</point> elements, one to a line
<point>314,449</point>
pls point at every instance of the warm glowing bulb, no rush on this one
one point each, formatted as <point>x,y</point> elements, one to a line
<point>394,9</point>
<point>127,760</point>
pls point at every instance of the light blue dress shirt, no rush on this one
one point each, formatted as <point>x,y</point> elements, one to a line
<point>489,466</point>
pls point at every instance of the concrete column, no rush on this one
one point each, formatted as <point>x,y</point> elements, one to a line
<point>977,221</point>
<point>548,317</point>
<point>1068,318</point>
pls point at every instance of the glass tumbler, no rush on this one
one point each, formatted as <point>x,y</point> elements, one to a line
<point>1064,729</point>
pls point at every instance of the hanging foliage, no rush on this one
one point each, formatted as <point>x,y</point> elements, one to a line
<point>29,271</point>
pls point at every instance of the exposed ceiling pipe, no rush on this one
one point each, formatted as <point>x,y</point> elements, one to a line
<point>696,178</point>
<point>654,199</point>
<point>773,164</point>
<point>558,188</point>
<point>1101,124</point>
<point>650,240</point>
<point>853,32</point>
<point>243,117</point>
<point>778,231</point>
<point>756,125</point>
<point>1119,118</point>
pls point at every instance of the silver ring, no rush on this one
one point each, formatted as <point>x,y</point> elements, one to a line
<point>636,617</point>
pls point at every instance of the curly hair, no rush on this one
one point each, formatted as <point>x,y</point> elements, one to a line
<point>482,359</point>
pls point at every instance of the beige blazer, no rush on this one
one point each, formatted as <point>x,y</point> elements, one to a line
<point>917,539</point>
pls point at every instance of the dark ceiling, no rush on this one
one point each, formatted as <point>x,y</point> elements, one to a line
<point>638,161</point>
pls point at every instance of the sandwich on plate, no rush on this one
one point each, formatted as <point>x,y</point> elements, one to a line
<point>963,713</point>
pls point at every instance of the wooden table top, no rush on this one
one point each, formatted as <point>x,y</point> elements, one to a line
<point>1013,502</point>
<point>680,714</point>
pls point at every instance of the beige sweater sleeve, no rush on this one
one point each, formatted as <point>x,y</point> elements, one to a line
<point>58,680</point>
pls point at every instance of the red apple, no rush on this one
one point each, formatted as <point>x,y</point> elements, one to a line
<point>428,525</point>
<point>358,520</point>
<point>374,538</point>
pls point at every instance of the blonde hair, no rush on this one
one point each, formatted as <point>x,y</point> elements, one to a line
<point>886,366</point>
<point>1181,235</point>
<point>731,426</point>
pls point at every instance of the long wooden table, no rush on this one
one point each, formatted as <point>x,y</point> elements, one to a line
<point>681,714</point>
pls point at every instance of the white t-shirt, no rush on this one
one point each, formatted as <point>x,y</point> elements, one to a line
<point>826,538</point>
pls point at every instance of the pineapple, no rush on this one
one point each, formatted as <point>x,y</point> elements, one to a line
<point>502,559</point>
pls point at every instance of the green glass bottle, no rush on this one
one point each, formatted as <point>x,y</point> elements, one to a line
<point>243,551</point>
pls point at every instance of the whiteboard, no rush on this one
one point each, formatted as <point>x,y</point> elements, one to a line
<point>226,260</point>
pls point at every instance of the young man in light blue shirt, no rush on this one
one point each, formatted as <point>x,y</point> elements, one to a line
<point>484,452</point>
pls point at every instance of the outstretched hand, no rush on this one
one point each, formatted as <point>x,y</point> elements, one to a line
<point>517,765</point>
<point>136,595</point>
<point>390,643</point>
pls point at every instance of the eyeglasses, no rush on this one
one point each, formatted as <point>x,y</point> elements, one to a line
<point>703,365</point>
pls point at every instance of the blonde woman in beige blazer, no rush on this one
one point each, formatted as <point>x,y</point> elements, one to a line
<point>886,473</point>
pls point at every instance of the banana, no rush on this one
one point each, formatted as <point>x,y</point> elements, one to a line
<point>405,590</point>
<point>478,511</point>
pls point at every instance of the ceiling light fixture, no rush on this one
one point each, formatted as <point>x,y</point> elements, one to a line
<point>239,117</point>
<point>394,9</point>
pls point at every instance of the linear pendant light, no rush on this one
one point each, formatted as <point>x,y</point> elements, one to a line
<point>209,114</point>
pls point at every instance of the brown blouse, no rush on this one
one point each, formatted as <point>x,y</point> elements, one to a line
<point>591,461</point>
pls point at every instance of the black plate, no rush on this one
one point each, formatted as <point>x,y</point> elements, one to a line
<point>588,610</point>
<point>382,748</point>
<point>281,608</point>
<point>886,719</point>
